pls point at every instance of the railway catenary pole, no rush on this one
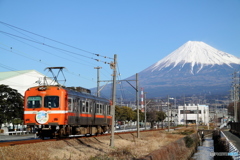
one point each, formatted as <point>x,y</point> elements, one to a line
<point>197,118</point>
<point>113,66</point>
<point>137,100</point>
<point>168,113</point>
<point>98,81</point>
<point>145,110</point>
<point>235,94</point>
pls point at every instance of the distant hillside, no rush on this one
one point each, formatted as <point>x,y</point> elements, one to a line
<point>194,68</point>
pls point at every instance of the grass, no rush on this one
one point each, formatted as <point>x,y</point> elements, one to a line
<point>127,146</point>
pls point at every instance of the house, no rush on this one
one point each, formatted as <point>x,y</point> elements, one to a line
<point>22,80</point>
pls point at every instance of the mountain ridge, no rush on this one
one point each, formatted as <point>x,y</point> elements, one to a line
<point>196,53</point>
<point>206,71</point>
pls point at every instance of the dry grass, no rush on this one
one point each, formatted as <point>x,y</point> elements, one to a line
<point>127,146</point>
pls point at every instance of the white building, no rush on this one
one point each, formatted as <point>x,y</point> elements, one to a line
<point>189,113</point>
<point>22,80</point>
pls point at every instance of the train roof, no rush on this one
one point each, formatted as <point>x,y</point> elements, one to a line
<point>85,95</point>
<point>77,92</point>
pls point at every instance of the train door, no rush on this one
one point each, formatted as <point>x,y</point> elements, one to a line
<point>70,110</point>
<point>94,104</point>
<point>78,112</point>
<point>96,113</point>
<point>87,112</point>
<point>83,117</point>
<point>90,112</point>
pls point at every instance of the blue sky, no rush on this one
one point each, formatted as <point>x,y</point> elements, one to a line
<point>139,32</point>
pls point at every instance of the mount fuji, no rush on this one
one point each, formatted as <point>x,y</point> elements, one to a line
<point>194,68</point>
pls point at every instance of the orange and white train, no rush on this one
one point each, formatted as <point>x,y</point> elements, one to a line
<point>56,111</point>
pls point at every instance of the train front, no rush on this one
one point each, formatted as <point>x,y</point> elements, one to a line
<point>45,109</point>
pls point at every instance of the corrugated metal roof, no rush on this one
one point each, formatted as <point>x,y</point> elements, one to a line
<point>6,75</point>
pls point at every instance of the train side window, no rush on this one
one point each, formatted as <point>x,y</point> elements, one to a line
<point>80,103</point>
<point>70,104</point>
<point>97,108</point>
<point>87,106</point>
<point>83,106</point>
<point>101,109</point>
<point>105,109</point>
<point>51,101</point>
<point>109,110</point>
<point>75,105</point>
<point>90,106</point>
<point>34,102</point>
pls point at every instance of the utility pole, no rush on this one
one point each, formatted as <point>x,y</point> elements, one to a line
<point>98,81</point>
<point>137,100</point>
<point>185,112</point>
<point>197,118</point>
<point>145,110</point>
<point>235,94</point>
<point>168,113</point>
<point>113,66</point>
<point>184,115</point>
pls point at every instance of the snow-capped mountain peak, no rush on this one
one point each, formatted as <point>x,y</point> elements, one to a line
<point>195,53</point>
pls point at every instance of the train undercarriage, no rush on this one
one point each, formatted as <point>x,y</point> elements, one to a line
<point>68,130</point>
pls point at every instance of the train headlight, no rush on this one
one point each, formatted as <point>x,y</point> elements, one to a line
<point>42,88</point>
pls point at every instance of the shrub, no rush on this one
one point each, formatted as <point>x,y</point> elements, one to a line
<point>188,141</point>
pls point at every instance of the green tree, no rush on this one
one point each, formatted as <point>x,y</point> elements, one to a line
<point>124,113</point>
<point>11,104</point>
<point>141,115</point>
<point>152,117</point>
<point>117,113</point>
<point>127,113</point>
<point>161,116</point>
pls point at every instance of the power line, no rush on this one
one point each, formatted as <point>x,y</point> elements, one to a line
<point>44,44</point>
<point>42,49</point>
<point>121,86</point>
<point>34,40</point>
<point>56,41</point>
<point>46,52</point>
<point>38,60</point>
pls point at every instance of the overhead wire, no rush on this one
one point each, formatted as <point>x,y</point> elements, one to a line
<point>39,42</point>
<point>57,56</point>
<point>120,85</point>
<point>56,41</point>
<point>46,51</point>
<point>44,44</point>
<point>54,48</point>
<point>38,60</point>
<point>50,46</point>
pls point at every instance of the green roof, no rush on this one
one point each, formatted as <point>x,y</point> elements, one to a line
<point>6,75</point>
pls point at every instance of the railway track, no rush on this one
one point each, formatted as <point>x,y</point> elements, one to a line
<point>21,142</point>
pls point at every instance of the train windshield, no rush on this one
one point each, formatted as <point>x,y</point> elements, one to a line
<point>51,102</point>
<point>34,102</point>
